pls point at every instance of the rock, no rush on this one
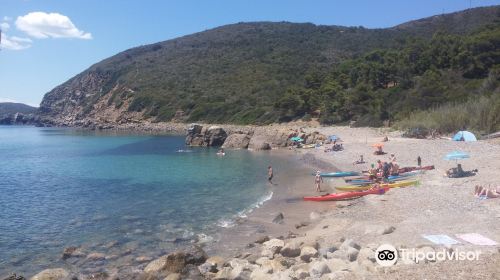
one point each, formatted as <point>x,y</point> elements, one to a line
<point>70,252</point>
<point>279,218</point>
<point>349,243</point>
<point>301,274</point>
<point>274,245</point>
<point>174,262</point>
<point>233,263</point>
<point>51,274</point>
<point>260,274</point>
<point>291,250</point>
<point>208,267</point>
<point>262,239</point>
<point>259,142</point>
<point>338,265</point>
<point>366,254</point>
<point>318,268</point>
<point>386,230</point>
<point>223,274</point>
<point>142,259</point>
<point>96,257</point>
<point>262,260</point>
<point>352,254</point>
<point>215,136</point>
<point>191,272</point>
<point>14,277</point>
<point>325,250</point>
<point>252,258</point>
<point>314,216</point>
<point>237,141</point>
<point>173,276</point>
<point>308,252</point>
<point>217,261</point>
<point>195,255</point>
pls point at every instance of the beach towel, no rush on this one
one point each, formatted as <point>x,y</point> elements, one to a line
<point>441,239</point>
<point>476,239</point>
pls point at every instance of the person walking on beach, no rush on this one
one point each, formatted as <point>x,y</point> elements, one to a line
<point>270,174</point>
<point>419,161</point>
<point>318,180</point>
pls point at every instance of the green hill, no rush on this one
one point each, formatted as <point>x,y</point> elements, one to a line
<point>7,108</point>
<point>265,72</point>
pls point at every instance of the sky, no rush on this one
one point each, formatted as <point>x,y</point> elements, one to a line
<point>46,42</point>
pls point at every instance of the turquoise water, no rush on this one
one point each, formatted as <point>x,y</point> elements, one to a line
<point>61,187</point>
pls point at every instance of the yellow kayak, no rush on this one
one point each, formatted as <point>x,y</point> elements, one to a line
<point>391,185</point>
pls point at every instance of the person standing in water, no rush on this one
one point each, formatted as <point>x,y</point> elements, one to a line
<point>270,174</point>
<point>318,180</point>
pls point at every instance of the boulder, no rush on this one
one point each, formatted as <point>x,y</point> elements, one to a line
<point>366,254</point>
<point>318,268</point>
<point>338,265</point>
<point>386,230</point>
<point>215,136</point>
<point>173,276</point>
<point>349,243</point>
<point>223,274</point>
<point>191,272</point>
<point>237,141</point>
<point>51,274</point>
<point>291,250</point>
<point>262,239</point>
<point>71,252</point>
<point>15,277</point>
<point>217,261</point>
<point>175,262</point>
<point>352,254</point>
<point>274,245</point>
<point>259,142</point>
<point>308,252</point>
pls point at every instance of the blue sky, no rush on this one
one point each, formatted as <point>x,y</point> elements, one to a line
<point>46,42</point>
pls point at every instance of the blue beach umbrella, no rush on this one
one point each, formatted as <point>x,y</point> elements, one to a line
<point>456,155</point>
<point>296,139</point>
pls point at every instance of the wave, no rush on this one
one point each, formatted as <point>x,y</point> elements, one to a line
<point>231,222</point>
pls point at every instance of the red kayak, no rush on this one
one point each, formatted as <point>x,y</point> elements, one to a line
<point>345,195</point>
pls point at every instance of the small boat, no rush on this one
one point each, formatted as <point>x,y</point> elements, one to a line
<point>346,195</point>
<point>388,185</point>
<point>339,174</point>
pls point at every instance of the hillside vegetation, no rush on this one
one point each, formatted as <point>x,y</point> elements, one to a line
<point>267,72</point>
<point>7,108</point>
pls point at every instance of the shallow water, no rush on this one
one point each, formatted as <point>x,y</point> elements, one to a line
<point>61,187</point>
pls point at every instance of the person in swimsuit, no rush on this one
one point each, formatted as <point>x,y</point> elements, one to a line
<point>318,180</point>
<point>270,174</point>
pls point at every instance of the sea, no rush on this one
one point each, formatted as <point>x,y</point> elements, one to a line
<point>119,194</point>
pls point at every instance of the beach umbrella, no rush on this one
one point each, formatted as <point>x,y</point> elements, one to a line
<point>296,139</point>
<point>456,155</point>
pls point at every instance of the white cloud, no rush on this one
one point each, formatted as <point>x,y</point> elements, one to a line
<point>4,26</point>
<point>49,25</point>
<point>15,43</point>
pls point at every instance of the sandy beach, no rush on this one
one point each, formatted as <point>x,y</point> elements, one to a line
<point>438,206</point>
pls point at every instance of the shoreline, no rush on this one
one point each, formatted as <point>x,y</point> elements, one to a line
<point>430,208</point>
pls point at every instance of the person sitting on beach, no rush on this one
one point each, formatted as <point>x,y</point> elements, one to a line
<point>394,169</point>
<point>483,192</point>
<point>318,180</point>
<point>372,172</point>
<point>385,169</point>
<point>359,161</point>
<point>380,165</point>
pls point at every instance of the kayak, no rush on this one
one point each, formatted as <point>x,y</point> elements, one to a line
<point>413,168</point>
<point>339,174</point>
<point>367,187</point>
<point>407,174</point>
<point>346,195</point>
